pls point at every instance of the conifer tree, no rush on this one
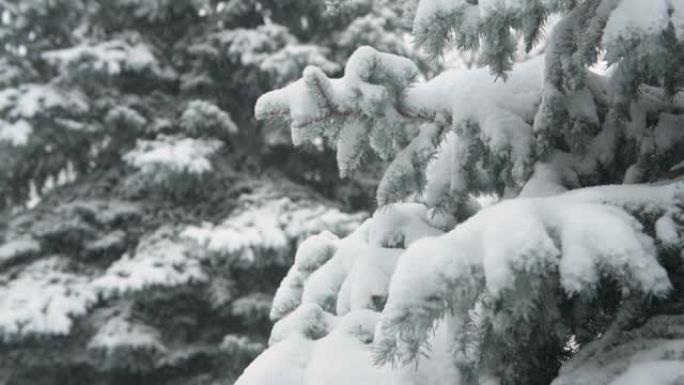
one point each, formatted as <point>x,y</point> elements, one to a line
<point>145,215</point>
<point>572,276</point>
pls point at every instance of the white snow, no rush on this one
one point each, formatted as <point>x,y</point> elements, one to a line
<point>633,19</point>
<point>321,348</point>
<point>308,320</point>
<point>666,231</point>
<point>484,111</point>
<point>581,241</point>
<point>311,254</point>
<point>270,225</point>
<point>400,224</point>
<point>323,284</point>
<point>284,363</point>
<point>173,153</point>
<point>368,280</point>
<point>119,332</point>
<point>43,299</point>
<point>28,100</point>
<point>581,236</point>
<point>200,116</point>
<point>17,248</point>
<point>16,133</point>
<point>111,57</point>
<point>161,259</point>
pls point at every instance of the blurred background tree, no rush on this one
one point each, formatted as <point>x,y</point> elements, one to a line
<point>146,218</point>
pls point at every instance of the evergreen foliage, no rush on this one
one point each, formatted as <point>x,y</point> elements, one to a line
<point>145,216</point>
<point>573,277</point>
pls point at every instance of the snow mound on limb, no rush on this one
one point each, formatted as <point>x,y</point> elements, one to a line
<point>323,285</point>
<point>311,254</point>
<point>283,363</point>
<point>344,283</point>
<point>342,356</point>
<point>451,296</point>
<point>358,274</point>
<point>576,237</point>
<point>378,95</point>
<point>308,320</point>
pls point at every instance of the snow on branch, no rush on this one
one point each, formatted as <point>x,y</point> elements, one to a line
<point>269,225</point>
<point>29,100</point>
<point>43,299</point>
<point>368,107</point>
<point>370,77</point>
<point>477,294</point>
<point>578,238</point>
<point>326,308</point>
<point>313,252</point>
<point>113,57</point>
<point>203,118</point>
<point>173,154</point>
<point>160,260</point>
<point>121,333</point>
<point>23,107</point>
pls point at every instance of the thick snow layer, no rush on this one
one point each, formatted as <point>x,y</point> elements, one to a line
<point>284,363</point>
<point>315,96</point>
<point>327,304</point>
<point>344,355</point>
<point>323,285</point>
<point>308,320</point>
<point>633,19</point>
<point>575,235</point>
<point>367,282</point>
<point>174,154</point>
<point>311,347</point>
<point>580,237</point>
<point>502,109</point>
<point>311,254</point>
<point>492,119</point>
<point>354,272</point>
<point>43,299</point>
<point>400,224</point>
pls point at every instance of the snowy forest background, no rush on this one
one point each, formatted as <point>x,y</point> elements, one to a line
<point>342,192</point>
<point>146,218</point>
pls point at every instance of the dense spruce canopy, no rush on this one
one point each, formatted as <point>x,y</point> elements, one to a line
<point>146,217</point>
<point>573,276</point>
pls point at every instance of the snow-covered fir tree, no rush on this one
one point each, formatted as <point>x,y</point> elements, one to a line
<point>146,218</point>
<point>530,232</point>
